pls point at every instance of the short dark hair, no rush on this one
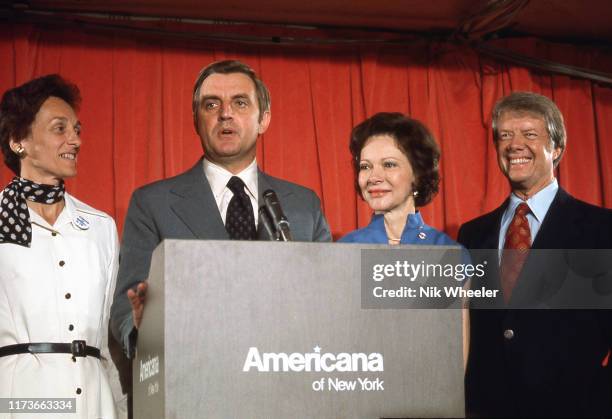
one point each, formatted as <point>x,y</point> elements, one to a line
<point>230,67</point>
<point>413,139</point>
<point>20,105</point>
<point>538,105</point>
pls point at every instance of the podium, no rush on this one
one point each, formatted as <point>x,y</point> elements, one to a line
<point>276,330</point>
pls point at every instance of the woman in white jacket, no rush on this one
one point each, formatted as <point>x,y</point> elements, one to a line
<point>58,260</point>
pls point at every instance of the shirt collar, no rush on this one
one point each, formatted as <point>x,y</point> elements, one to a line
<point>219,176</point>
<point>79,214</point>
<point>538,203</point>
<point>413,221</point>
<point>70,214</point>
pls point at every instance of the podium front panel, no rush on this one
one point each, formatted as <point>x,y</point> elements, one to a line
<point>276,330</point>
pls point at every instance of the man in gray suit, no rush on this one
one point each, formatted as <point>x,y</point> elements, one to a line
<point>231,108</point>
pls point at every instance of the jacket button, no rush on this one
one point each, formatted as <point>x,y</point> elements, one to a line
<point>508,334</point>
<point>67,296</point>
<point>71,327</point>
<point>78,390</point>
<point>62,263</point>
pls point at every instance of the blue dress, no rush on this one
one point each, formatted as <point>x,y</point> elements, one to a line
<point>415,232</point>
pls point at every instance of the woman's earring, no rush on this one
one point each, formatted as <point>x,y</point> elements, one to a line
<point>20,150</point>
<point>415,193</point>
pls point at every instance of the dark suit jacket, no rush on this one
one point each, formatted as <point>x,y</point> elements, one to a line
<point>551,362</point>
<point>183,207</point>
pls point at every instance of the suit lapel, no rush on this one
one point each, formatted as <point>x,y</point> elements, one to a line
<point>490,231</point>
<point>193,202</point>
<point>484,245</point>
<point>265,182</point>
<point>541,273</point>
<point>491,243</point>
<point>559,224</point>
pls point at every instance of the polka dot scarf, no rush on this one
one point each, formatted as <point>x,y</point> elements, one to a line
<point>15,225</point>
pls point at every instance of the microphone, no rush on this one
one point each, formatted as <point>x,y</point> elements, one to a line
<point>278,217</point>
<point>264,219</point>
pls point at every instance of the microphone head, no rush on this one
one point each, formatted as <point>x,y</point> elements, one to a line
<point>274,207</point>
<point>280,222</point>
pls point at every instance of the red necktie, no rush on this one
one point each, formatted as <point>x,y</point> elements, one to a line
<point>516,249</point>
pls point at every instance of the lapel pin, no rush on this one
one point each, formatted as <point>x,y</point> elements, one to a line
<point>81,222</point>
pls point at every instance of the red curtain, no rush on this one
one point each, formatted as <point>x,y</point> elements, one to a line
<point>136,113</point>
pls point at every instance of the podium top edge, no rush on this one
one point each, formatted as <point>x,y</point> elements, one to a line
<point>368,246</point>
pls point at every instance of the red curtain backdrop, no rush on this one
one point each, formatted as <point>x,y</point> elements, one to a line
<point>138,127</point>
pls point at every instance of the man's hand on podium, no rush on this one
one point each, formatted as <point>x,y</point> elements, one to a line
<point>137,300</point>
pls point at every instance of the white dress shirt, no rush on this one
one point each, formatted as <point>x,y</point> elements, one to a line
<point>60,290</point>
<point>218,177</point>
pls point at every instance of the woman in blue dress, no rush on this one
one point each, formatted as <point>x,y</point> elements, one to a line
<point>396,165</point>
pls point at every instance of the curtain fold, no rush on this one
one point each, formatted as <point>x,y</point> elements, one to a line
<point>138,126</point>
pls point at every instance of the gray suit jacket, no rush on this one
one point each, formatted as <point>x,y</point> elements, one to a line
<point>183,207</point>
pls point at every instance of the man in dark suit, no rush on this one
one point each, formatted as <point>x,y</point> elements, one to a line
<point>526,362</point>
<point>216,199</point>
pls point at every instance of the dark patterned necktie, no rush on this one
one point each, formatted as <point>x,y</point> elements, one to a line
<point>516,249</point>
<point>239,221</point>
